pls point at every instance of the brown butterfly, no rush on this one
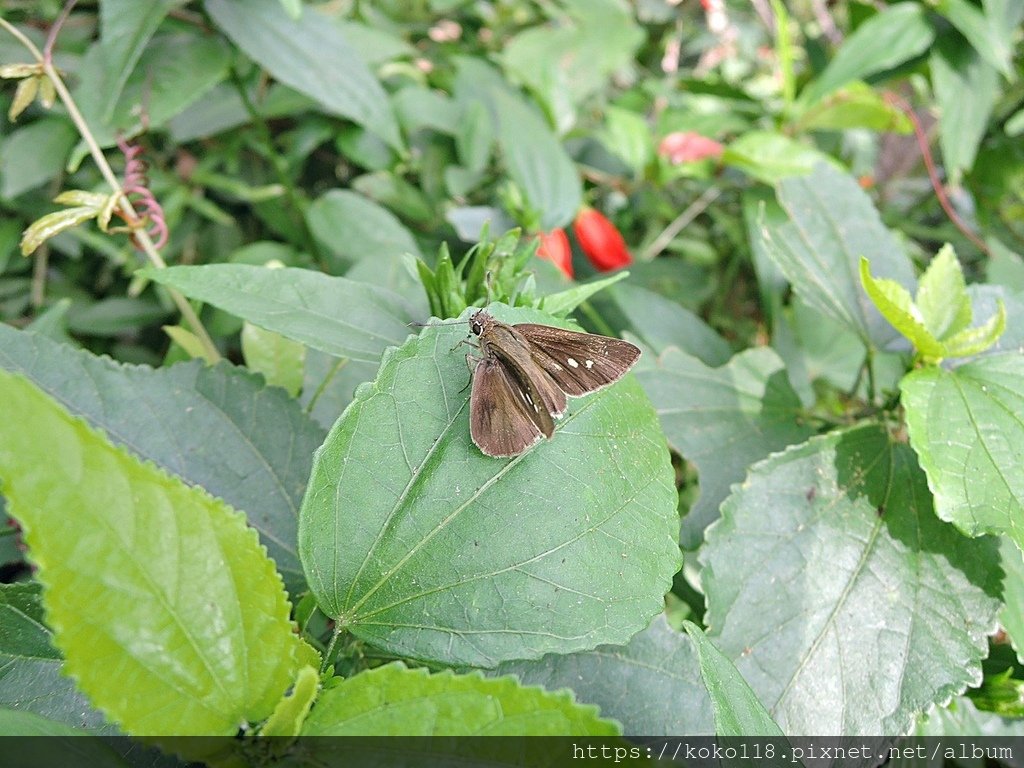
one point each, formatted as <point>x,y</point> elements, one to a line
<point>521,382</point>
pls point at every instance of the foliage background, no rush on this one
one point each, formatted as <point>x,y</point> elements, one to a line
<point>846,479</point>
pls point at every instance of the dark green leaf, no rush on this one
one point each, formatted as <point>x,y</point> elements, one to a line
<point>353,227</point>
<point>661,323</point>
<point>891,37</point>
<point>723,420</point>
<point>218,428</point>
<point>311,55</point>
<point>832,225</point>
<point>830,572</point>
<point>738,712</point>
<point>333,314</point>
<point>33,155</point>
<point>652,685</point>
<point>30,667</point>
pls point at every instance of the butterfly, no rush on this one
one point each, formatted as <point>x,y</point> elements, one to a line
<point>524,375</point>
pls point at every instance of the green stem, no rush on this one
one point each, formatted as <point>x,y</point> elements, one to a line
<point>594,317</point>
<point>323,384</point>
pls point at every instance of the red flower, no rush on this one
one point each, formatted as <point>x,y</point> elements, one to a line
<point>601,241</point>
<point>554,246</point>
<point>685,147</point>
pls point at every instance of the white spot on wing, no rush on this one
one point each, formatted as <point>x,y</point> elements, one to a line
<point>589,364</point>
<point>573,363</point>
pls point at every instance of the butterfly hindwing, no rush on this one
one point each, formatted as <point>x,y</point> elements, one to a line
<point>503,420</point>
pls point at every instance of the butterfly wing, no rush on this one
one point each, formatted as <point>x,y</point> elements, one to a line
<point>503,419</point>
<point>578,362</point>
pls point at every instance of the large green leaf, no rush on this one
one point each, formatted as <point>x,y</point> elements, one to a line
<point>30,667</point>
<point>415,541</point>
<point>311,55</point>
<point>537,162</point>
<point>895,35</point>
<point>723,420</point>
<point>966,89</point>
<point>652,685</point>
<point>219,428</point>
<point>832,224</point>
<point>771,157</point>
<point>125,28</point>
<point>829,572</point>
<point>738,712</point>
<point>967,426</point>
<point>395,701</point>
<point>164,604</point>
<point>333,314</point>
<point>353,227</point>
<point>983,30</point>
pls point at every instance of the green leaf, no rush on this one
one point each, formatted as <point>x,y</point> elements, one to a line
<point>662,323</point>
<point>279,359</point>
<point>942,296</point>
<point>395,701</point>
<point>157,560</point>
<point>536,161</point>
<point>772,157</point>
<point>474,138</point>
<point>292,710</point>
<point>114,316</point>
<point>189,343</point>
<point>418,543</point>
<point>353,227</point>
<point>856,105</point>
<point>562,303</point>
<point>216,427</point>
<point>31,156</point>
<point>398,195</point>
<point>329,384</point>
<point>832,225</point>
<point>896,306</point>
<point>311,55</point>
<point>967,428</point>
<point>972,341</point>
<point>738,711</point>
<point>628,137</point>
<point>960,718</point>
<point>722,420</point>
<point>895,35</point>
<point>125,28</point>
<point>830,572</point>
<point>174,71</point>
<point>333,314</point>
<point>652,685</point>
<point>982,32</point>
<point>966,89</point>
<point>30,667</point>
<point>52,224</point>
<point>1005,267</point>
<point>1011,617</point>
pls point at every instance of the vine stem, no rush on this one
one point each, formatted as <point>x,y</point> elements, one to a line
<point>141,236</point>
<point>667,235</point>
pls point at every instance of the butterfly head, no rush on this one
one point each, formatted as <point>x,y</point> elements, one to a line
<point>480,321</point>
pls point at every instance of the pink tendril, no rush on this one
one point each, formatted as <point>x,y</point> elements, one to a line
<point>136,188</point>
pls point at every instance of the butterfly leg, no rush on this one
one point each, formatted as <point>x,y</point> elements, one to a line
<point>471,363</point>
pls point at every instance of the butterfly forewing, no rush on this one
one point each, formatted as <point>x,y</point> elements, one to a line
<point>502,418</point>
<point>578,362</point>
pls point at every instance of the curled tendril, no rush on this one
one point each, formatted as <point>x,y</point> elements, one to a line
<point>136,188</point>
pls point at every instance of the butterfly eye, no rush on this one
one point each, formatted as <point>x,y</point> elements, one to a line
<point>475,327</point>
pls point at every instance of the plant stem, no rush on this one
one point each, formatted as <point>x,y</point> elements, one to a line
<point>693,210</point>
<point>141,236</point>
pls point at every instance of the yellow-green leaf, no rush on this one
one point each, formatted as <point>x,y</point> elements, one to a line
<point>291,710</point>
<point>52,224</point>
<point>971,341</point>
<point>942,298</point>
<point>189,342</point>
<point>896,305</point>
<point>24,95</point>
<point>169,614</point>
